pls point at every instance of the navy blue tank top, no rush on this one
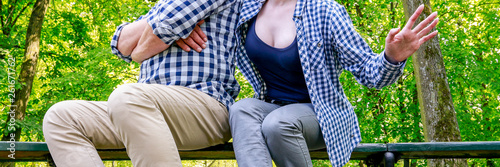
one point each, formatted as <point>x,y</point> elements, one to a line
<point>279,67</point>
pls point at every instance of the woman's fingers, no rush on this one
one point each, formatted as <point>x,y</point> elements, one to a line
<point>414,17</point>
<point>427,37</point>
<point>425,23</point>
<point>428,29</point>
<point>392,33</point>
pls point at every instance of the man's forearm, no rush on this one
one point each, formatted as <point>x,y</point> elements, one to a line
<point>148,45</point>
<point>129,36</point>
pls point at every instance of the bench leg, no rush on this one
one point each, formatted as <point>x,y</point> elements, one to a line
<point>389,159</point>
<point>50,161</point>
<point>407,163</point>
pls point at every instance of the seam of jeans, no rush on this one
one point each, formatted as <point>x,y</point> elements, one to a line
<point>302,149</point>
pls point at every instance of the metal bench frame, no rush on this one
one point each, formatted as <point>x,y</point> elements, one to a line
<point>374,154</point>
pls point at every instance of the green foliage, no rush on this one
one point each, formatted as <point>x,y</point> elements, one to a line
<point>75,59</point>
<point>469,40</point>
<point>391,114</point>
<point>472,46</point>
<point>471,49</point>
<point>246,89</point>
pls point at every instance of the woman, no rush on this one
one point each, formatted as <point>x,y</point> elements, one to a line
<point>293,53</point>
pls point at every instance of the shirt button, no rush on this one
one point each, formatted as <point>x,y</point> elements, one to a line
<point>319,44</point>
<point>243,19</point>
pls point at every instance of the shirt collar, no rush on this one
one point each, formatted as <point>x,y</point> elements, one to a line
<point>299,8</point>
<point>250,8</point>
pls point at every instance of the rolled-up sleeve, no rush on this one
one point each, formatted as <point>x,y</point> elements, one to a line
<point>174,19</point>
<point>116,35</point>
<point>114,44</point>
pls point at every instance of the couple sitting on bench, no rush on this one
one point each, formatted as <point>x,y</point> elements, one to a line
<point>292,53</point>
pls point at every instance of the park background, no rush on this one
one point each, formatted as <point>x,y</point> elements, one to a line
<point>75,62</point>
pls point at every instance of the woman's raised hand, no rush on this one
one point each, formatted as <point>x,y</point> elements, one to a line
<point>401,44</point>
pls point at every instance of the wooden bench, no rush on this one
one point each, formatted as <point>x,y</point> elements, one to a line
<point>374,154</point>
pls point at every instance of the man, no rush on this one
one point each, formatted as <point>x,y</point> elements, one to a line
<point>179,103</point>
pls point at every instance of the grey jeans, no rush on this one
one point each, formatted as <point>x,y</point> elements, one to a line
<point>262,131</point>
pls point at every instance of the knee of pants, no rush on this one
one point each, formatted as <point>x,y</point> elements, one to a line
<point>278,125</point>
<point>58,114</point>
<point>243,110</point>
<point>125,98</point>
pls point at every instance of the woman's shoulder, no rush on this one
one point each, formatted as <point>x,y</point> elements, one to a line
<point>327,5</point>
<point>325,10</point>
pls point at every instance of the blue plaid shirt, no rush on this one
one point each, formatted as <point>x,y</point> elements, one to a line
<point>328,43</point>
<point>212,70</point>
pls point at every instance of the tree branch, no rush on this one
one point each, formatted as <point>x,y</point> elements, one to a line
<point>20,13</point>
<point>491,3</point>
<point>359,13</point>
<point>1,16</point>
<point>12,7</point>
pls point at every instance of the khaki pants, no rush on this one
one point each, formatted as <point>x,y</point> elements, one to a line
<point>152,121</point>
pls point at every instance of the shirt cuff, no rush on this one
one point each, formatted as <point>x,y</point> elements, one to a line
<point>114,44</point>
<point>392,66</point>
<point>164,31</point>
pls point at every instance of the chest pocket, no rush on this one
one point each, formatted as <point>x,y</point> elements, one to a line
<point>315,54</point>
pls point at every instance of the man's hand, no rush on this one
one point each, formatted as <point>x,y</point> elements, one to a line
<point>196,39</point>
<point>149,44</point>
<point>401,44</point>
<point>137,39</point>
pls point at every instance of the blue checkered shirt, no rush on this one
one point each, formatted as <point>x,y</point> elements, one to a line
<point>212,70</point>
<point>328,44</point>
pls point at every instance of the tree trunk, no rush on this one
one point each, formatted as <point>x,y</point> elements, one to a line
<point>28,70</point>
<point>436,104</point>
